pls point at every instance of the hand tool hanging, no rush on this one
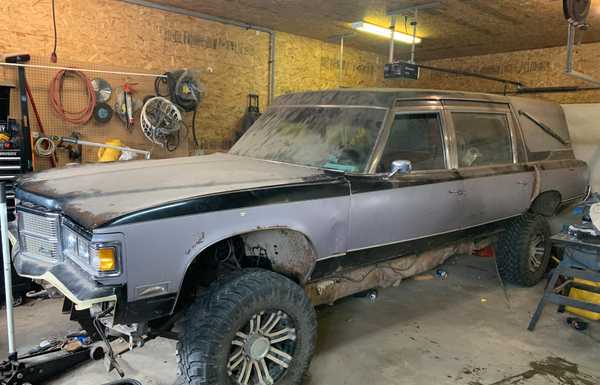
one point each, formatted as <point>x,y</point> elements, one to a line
<point>26,158</point>
<point>37,118</point>
<point>46,145</point>
<point>126,105</point>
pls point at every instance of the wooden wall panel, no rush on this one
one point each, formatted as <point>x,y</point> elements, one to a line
<point>111,35</point>
<point>536,68</point>
<point>308,64</point>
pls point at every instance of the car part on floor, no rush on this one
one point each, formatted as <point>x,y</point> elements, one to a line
<point>103,112</point>
<point>255,327</point>
<point>577,323</point>
<point>161,121</point>
<point>103,90</point>
<point>55,93</point>
<point>124,381</point>
<point>524,250</point>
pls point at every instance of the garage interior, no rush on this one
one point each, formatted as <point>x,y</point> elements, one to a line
<point>458,323</point>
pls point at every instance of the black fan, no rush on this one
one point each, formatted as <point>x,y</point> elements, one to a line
<point>577,10</point>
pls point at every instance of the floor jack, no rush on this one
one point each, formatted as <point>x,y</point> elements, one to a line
<point>38,366</point>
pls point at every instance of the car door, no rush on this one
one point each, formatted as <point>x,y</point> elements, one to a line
<point>496,186</point>
<point>389,216</point>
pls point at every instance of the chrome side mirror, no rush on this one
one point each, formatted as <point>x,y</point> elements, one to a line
<point>400,167</point>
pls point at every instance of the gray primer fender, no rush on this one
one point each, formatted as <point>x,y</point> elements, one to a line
<point>161,251</point>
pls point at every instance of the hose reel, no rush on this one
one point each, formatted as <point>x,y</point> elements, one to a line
<point>184,91</point>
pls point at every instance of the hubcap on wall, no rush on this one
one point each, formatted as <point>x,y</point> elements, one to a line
<point>537,252</point>
<point>263,349</point>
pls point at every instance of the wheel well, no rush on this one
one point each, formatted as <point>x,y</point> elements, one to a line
<point>284,251</point>
<point>546,203</point>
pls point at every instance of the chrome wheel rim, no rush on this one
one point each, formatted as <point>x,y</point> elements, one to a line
<point>537,252</point>
<point>262,350</point>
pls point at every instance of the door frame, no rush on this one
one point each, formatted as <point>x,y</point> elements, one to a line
<point>414,107</point>
<point>479,108</point>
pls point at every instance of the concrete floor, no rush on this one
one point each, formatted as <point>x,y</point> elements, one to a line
<point>456,331</point>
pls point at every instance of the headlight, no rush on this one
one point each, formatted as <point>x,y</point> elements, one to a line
<point>99,259</point>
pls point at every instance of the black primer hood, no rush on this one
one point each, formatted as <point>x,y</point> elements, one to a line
<point>93,195</point>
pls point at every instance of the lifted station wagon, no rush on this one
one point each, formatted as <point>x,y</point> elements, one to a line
<point>328,194</point>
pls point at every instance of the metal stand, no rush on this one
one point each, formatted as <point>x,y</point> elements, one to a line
<point>581,260</point>
<point>10,323</point>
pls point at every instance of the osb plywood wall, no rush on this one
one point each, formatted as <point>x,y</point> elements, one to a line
<point>110,35</point>
<point>308,64</point>
<point>231,62</point>
<point>535,68</point>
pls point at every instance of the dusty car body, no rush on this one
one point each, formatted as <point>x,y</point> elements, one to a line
<point>304,207</point>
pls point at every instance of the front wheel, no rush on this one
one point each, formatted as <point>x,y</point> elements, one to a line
<point>257,328</point>
<point>524,250</point>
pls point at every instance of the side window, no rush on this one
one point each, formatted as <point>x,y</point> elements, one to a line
<point>416,137</point>
<point>482,139</point>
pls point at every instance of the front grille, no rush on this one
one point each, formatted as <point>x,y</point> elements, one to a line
<point>40,225</point>
<point>39,233</point>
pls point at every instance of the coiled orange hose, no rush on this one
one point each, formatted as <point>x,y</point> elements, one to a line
<point>55,96</point>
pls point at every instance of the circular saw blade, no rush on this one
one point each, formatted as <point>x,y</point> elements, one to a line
<point>103,90</point>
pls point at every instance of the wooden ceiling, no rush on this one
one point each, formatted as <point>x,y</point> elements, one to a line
<point>453,28</point>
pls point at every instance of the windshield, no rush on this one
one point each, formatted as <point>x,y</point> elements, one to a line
<point>337,138</point>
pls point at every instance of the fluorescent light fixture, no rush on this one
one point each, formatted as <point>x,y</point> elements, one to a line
<point>384,32</point>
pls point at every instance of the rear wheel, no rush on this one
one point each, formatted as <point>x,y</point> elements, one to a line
<point>257,328</point>
<point>524,250</point>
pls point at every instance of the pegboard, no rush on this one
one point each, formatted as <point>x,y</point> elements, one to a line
<point>74,98</point>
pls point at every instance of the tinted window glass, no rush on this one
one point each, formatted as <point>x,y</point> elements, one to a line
<point>482,139</point>
<point>418,138</point>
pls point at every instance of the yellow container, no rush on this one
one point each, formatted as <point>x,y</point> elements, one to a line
<point>110,154</point>
<point>587,296</point>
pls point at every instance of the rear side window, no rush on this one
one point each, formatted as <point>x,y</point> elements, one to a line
<point>416,137</point>
<point>482,139</point>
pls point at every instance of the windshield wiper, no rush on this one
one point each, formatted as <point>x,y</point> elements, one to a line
<point>545,128</point>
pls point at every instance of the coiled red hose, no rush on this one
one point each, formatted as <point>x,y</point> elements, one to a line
<point>55,96</point>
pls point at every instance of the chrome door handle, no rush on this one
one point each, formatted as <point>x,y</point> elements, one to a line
<point>457,192</point>
<point>523,183</point>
